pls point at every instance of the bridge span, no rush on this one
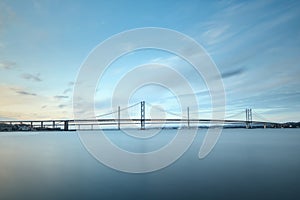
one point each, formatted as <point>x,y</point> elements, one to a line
<point>139,120</point>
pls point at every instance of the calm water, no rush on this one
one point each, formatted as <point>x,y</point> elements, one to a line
<point>245,164</point>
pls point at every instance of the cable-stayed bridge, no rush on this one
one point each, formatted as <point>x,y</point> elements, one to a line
<point>144,115</point>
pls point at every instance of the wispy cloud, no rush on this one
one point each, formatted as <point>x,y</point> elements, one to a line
<point>22,92</point>
<point>69,87</point>
<point>20,102</point>
<point>67,90</point>
<point>234,72</point>
<point>71,83</point>
<point>7,65</point>
<point>62,105</point>
<point>61,97</point>
<point>31,77</point>
<point>217,32</point>
<point>239,22</point>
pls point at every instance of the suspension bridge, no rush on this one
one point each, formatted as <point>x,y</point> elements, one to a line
<point>144,115</point>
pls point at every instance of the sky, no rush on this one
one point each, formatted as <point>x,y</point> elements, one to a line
<point>254,44</point>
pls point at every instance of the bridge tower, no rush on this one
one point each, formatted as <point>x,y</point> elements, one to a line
<point>248,117</point>
<point>119,118</point>
<point>143,115</point>
<point>188,116</point>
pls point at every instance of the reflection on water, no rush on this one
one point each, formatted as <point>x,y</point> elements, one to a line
<point>245,164</point>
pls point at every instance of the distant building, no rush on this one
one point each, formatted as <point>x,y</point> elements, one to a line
<point>6,127</point>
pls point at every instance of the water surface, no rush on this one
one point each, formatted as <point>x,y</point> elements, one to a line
<point>245,164</point>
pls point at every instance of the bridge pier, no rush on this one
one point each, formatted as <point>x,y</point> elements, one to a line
<point>66,125</point>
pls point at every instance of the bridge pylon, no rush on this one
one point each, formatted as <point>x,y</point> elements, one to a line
<point>119,118</point>
<point>143,115</point>
<point>248,117</point>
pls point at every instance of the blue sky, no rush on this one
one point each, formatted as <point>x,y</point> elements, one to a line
<point>254,44</point>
